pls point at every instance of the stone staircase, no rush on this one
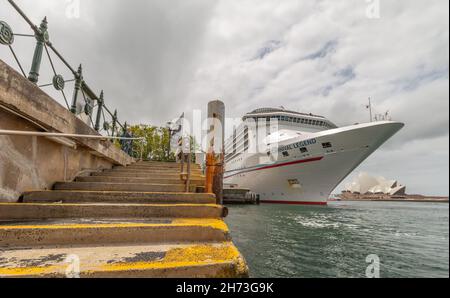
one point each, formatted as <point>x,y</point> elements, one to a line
<point>133,221</point>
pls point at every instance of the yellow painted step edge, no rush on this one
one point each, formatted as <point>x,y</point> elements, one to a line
<point>198,255</point>
<point>213,223</point>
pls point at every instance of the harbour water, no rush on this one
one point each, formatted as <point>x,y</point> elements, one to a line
<point>410,239</point>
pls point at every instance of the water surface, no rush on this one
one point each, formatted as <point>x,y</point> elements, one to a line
<point>411,239</point>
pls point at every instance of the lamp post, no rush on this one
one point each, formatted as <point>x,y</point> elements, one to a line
<point>171,130</point>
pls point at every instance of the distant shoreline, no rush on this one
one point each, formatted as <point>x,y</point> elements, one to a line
<point>385,198</point>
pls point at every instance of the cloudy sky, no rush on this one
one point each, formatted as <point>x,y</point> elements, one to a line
<point>158,58</point>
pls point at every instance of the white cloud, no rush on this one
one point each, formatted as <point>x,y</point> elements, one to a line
<point>156,59</point>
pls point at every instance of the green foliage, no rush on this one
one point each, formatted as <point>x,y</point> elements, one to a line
<point>156,145</point>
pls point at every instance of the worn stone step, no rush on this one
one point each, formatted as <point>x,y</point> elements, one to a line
<point>74,196</point>
<point>144,187</point>
<point>151,167</point>
<point>152,171</point>
<point>156,168</point>
<point>98,232</point>
<point>161,164</point>
<point>147,169</point>
<point>145,175</point>
<point>194,260</point>
<point>41,211</point>
<point>139,180</point>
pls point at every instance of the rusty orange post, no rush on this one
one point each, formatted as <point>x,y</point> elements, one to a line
<point>210,164</point>
<point>216,148</point>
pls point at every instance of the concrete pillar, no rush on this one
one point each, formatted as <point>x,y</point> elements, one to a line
<point>216,148</point>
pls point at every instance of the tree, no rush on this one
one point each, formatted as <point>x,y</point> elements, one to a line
<point>156,146</point>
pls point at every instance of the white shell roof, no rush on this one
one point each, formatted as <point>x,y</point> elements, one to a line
<point>367,184</point>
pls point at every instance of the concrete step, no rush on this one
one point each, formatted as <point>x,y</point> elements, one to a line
<point>200,189</point>
<point>147,172</point>
<point>194,260</point>
<point>147,169</point>
<point>103,186</point>
<point>77,232</point>
<point>162,164</point>
<point>134,174</point>
<point>153,167</point>
<point>41,211</point>
<point>117,197</point>
<point>156,168</point>
<point>196,181</point>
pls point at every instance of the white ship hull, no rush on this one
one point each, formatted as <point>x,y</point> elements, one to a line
<point>310,178</point>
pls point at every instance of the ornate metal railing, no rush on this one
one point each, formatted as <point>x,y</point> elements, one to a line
<point>93,107</point>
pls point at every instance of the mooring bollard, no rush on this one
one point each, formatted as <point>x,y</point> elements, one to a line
<point>216,148</point>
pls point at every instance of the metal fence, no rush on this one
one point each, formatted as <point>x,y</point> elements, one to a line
<point>84,103</point>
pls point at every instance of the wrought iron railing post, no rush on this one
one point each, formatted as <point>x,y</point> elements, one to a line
<point>78,83</point>
<point>42,38</point>
<point>114,124</point>
<point>99,111</point>
<point>43,44</point>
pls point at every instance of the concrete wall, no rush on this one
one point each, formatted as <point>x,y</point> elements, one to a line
<point>36,163</point>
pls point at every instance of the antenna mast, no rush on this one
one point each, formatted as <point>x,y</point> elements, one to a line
<point>370,109</point>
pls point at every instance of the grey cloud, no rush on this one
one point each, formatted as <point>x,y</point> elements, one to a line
<point>156,59</point>
<point>271,46</point>
<point>327,49</point>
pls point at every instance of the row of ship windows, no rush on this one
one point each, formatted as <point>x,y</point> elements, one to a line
<point>297,120</point>
<point>303,150</point>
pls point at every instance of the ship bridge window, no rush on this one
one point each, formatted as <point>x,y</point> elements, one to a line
<point>326,145</point>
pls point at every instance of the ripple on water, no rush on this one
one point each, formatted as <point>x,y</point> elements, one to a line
<point>301,241</point>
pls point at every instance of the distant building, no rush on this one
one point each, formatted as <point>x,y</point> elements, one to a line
<point>367,184</point>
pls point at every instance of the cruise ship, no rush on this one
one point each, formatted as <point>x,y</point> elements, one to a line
<point>287,157</point>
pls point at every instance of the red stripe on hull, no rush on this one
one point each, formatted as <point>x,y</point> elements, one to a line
<point>294,203</point>
<point>279,165</point>
<point>291,163</point>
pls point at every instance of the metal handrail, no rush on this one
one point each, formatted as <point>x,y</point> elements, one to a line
<point>61,135</point>
<point>43,43</point>
<point>51,135</point>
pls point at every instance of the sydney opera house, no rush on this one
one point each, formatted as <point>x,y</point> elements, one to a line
<point>366,184</point>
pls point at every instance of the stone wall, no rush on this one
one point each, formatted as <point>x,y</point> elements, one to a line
<point>36,163</point>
